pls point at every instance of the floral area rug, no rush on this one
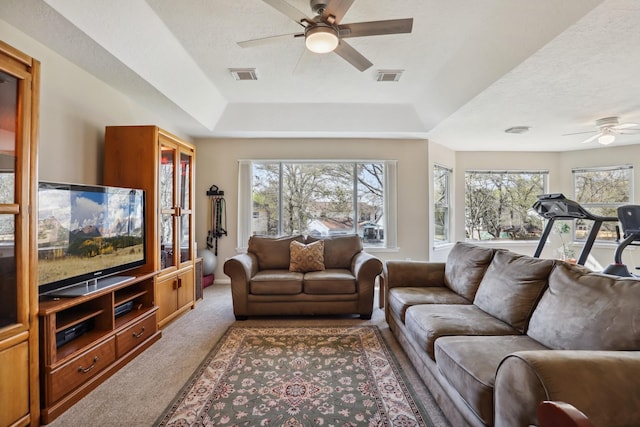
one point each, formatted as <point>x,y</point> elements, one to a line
<point>289,377</point>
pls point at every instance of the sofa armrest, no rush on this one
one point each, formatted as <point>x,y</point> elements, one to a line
<point>413,274</point>
<point>603,384</point>
<point>366,267</point>
<point>241,268</point>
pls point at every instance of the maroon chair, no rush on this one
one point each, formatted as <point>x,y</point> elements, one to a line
<point>561,414</point>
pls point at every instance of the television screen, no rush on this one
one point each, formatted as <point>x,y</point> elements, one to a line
<point>87,232</point>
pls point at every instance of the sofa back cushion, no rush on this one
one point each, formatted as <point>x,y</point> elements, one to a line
<point>582,310</point>
<point>339,250</point>
<point>511,287</point>
<point>272,252</point>
<point>465,267</point>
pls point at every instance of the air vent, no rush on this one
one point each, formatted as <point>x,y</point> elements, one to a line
<point>244,73</point>
<point>389,75</point>
<point>517,129</point>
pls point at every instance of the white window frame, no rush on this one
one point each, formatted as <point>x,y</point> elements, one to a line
<point>448,175</point>
<point>589,206</point>
<point>545,184</point>
<point>245,203</point>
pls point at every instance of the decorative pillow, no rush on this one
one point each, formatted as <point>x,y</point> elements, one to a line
<point>306,257</point>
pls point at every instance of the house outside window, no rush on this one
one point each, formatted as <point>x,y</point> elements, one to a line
<point>319,198</point>
<point>498,204</point>
<point>600,190</point>
<point>441,204</point>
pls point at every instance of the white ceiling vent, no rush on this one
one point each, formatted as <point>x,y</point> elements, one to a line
<point>244,73</point>
<point>518,129</point>
<point>389,75</point>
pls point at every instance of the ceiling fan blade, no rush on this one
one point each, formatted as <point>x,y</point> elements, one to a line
<point>376,28</point>
<point>624,126</point>
<point>288,10</point>
<point>352,56</point>
<point>593,138</point>
<point>303,62</point>
<point>579,133</point>
<point>268,40</point>
<point>337,8</point>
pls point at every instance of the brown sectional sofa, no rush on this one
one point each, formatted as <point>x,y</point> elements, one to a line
<point>493,333</point>
<point>262,284</point>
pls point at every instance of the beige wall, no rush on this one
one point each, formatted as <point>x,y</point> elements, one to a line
<point>218,164</point>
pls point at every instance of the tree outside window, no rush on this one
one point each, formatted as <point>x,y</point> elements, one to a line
<point>600,191</point>
<point>441,204</point>
<point>498,204</point>
<point>319,199</point>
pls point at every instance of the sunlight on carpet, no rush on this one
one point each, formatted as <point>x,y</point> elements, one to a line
<point>297,376</point>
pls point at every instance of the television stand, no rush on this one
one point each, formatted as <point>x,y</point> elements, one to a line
<point>90,286</point>
<point>103,330</point>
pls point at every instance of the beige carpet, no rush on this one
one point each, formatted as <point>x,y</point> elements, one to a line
<point>141,391</point>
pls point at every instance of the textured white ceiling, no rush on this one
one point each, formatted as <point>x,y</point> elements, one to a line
<point>472,67</point>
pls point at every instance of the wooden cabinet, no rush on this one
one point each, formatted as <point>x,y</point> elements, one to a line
<point>19,97</point>
<point>175,294</point>
<point>162,164</point>
<point>86,339</point>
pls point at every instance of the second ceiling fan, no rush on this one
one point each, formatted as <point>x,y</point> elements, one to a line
<point>324,33</point>
<point>607,129</point>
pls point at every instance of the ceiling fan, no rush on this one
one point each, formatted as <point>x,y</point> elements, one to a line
<point>324,33</point>
<point>607,129</point>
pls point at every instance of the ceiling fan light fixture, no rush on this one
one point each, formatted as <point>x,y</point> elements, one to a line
<point>606,139</point>
<point>321,39</point>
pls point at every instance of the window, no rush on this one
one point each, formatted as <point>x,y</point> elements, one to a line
<point>319,198</point>
<point>441,204</point>
<point>601,191</point>
<point>498,204</point>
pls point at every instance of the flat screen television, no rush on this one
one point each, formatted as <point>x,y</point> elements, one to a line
<point>87,235</point>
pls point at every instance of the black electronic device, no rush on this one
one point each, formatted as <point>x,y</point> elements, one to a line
<point>123,309</point>
<point>73,332</point>
<point>85,234</point>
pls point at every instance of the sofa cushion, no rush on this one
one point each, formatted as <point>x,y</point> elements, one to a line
<point>465,267</point>
<point>339,250</point>
<point>276,282</point>
<point>330,281</point>
<point>582,310</point>
<point>428,322</point>
<point>272,252</point>
<point>512,286</point>
<point>401,298</point>
<point>470,363</point>
<point>305,258</point>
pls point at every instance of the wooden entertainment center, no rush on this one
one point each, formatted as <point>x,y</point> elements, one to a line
<point>105,341</point>
<point>86,339</point>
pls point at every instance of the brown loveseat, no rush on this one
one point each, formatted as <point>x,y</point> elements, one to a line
<point>262,283</point>
<point>493,333</point>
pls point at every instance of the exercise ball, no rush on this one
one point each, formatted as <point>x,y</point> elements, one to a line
<point>209,261</point>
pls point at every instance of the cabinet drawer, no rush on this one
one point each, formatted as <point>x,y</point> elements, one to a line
<point>80,369</point>
<point>135,334</point>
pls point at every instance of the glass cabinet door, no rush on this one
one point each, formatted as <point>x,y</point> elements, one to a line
<point>167,171</point>
<point>9,207</point>
<point>184,189</point>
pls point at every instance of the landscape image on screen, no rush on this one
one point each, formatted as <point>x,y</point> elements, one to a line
<point>84,232</point>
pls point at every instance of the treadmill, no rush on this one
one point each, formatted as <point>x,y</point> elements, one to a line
<point>629,216</point>
<point>556,206</point>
